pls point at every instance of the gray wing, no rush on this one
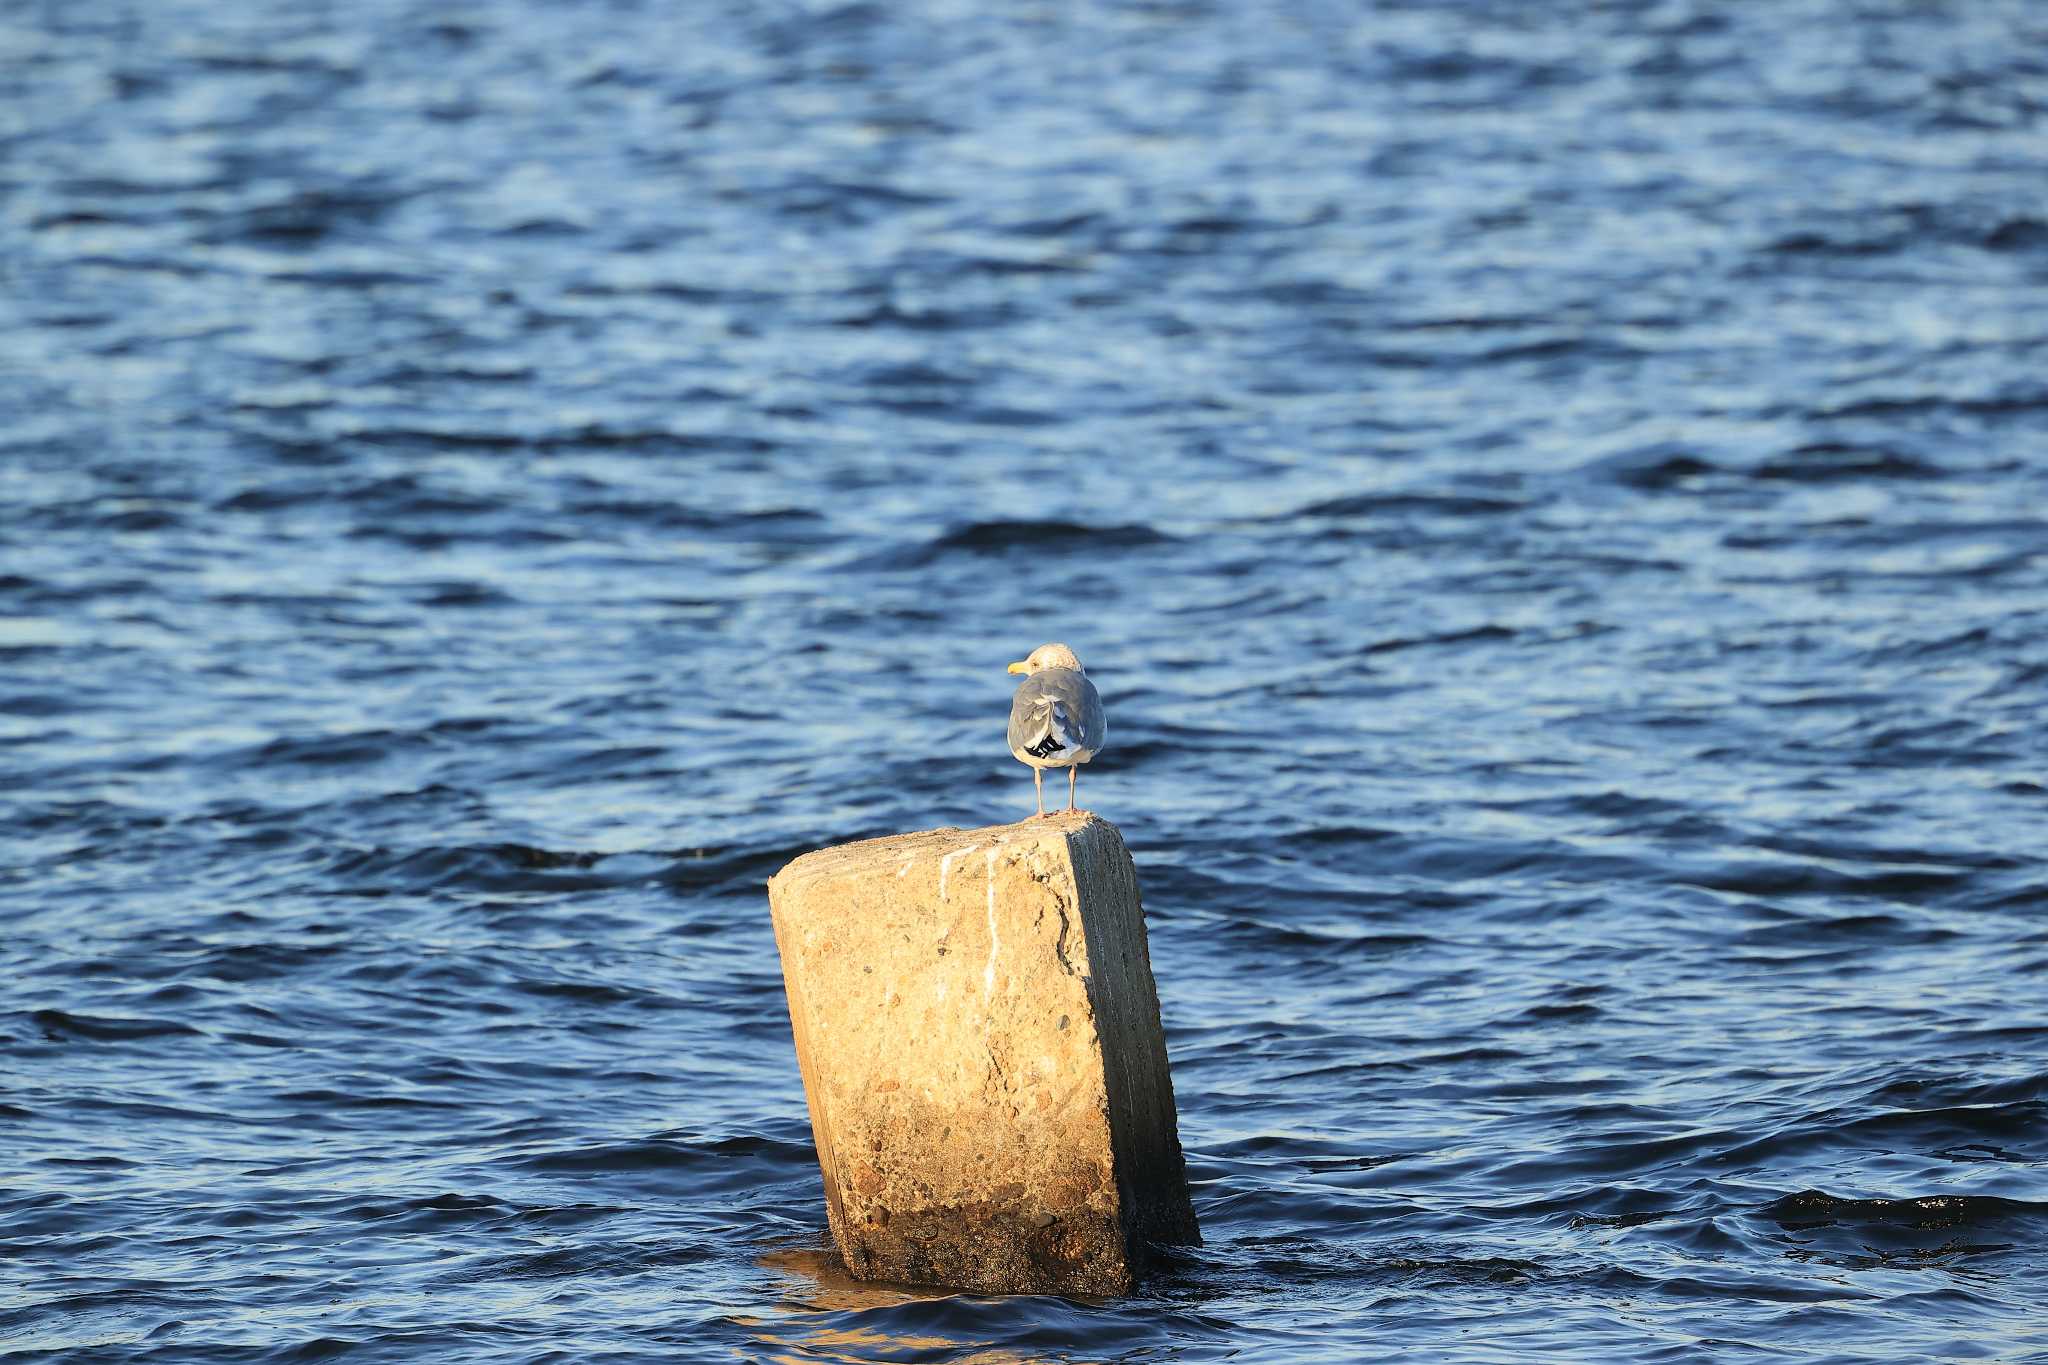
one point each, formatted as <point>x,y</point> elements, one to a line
<point>1061,704</point>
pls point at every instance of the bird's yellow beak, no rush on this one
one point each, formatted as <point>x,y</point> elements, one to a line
<point>1021,666</point>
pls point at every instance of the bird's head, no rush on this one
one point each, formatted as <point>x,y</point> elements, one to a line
<point>1047,656</point>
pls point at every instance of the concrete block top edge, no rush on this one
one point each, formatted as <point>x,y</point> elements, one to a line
<point>840,859</point>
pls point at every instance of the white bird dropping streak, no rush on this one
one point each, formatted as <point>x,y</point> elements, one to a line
<point>995,942</point>
<point>946,866</point>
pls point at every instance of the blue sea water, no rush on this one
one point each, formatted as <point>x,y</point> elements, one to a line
<point>1554,497</point>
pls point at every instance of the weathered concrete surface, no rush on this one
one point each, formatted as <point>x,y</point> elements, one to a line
<point>979,1035</point>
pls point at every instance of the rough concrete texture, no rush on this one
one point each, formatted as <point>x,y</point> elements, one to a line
<point>979,1035</point>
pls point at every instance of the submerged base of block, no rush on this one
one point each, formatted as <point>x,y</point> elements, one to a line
<point>997,1251</point>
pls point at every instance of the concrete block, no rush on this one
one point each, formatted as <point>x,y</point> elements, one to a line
<point>978,1030</point>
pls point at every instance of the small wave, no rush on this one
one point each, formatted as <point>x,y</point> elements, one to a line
<point>38,705</point>
<point>1055,227</point>
<point>1342,836</point>
<point>772,523</point>
<point>927,319</point>
<point>2012,403</point>
<point>1834,461</point>
<point>348,279</point>
<point>728,867</point>
<point>971,414</point>
<point>599,436</point>
<point>1456,1272</point>
<point>1626,1206</point>
<point>1651,469</point>
<point>1325,946</point>
<point>987,537</point>
<point>60,1026</point>
<point>349,749</point>
<point>1912,226</point>
<point>123,514</point>
<point>1475,634</point>
<point>497,867</point>
<point>431,1211</point>
<point>1407,504</point>
<point>588,1260</point>
<point>679,291</point>
<point>1935,1212</point>
<point>457,593</point>
<point>1574,1013</point>
<point>2018,234</point>
<point>911,374</point>
<point>326,1100</point>
<point>674,1165</point>
<point>595,993</point>
<point>1961,1090</point>
<point>1839,242</point>
<point>1899,1130</point>
<point>1781,880</point>
<point>993,538</point>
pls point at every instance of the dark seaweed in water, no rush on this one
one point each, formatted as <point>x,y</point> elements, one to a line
<point>1553,498</point>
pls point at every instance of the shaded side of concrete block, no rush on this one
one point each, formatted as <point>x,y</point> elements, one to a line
<point>1144,1127</point>
<point>975,1019</point>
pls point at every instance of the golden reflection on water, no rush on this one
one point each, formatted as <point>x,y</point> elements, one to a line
<point>816,1283</point>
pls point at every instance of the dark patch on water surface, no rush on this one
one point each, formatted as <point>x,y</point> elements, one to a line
<point>1551,497</point>
<point>59,1027</point>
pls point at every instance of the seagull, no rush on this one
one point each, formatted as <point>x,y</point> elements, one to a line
<point>1056,720</point>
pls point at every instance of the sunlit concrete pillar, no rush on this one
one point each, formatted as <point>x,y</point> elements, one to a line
<point>979,1036</point>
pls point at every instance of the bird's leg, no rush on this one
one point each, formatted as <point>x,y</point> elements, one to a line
<point>1038,781</point>
<point>1073,776</point>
